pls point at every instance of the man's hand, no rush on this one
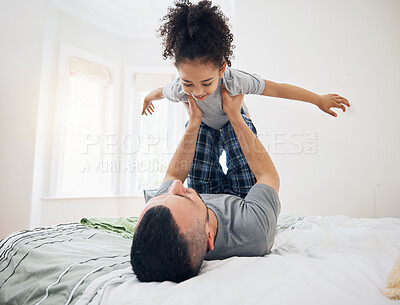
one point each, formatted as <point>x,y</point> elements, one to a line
<point>328,101</point>
<point>195,113</point>
<point>231,104</point>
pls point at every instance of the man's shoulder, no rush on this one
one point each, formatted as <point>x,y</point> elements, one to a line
<point>261,192</point>
<point>258,192</point>
<point>246,225</point>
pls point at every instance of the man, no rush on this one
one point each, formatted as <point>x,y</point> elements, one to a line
<point>178,229</point>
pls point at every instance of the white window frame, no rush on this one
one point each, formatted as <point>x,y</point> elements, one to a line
<point>130,120</point>
<point>61,109</point>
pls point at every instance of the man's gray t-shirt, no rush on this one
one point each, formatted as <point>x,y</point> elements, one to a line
<point>246,227</point>
<point>235,81</point>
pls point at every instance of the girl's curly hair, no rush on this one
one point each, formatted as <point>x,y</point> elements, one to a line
<point>196,31</point>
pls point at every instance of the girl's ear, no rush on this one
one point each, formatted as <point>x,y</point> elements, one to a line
<point>222,70</point>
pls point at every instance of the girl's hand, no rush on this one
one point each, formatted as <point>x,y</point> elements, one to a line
<point>148,106</point>
<point>195,113</point>
<point>328,101</point>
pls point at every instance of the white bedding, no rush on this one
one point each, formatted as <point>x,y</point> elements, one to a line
<point>322,260</point>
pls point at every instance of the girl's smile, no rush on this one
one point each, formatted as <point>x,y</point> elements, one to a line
<point>200,98</point>
<point>199,79</point>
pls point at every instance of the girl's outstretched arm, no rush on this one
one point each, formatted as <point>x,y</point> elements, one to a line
<point>154,95</point>
<point>324,102</point>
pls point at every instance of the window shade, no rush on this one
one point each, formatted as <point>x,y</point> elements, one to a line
<point>150,81</point>
<point>89,70</point>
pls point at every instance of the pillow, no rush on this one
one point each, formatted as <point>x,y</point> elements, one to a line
<point>392,290</point>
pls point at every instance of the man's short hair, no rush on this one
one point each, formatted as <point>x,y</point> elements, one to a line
<point>161,253</point>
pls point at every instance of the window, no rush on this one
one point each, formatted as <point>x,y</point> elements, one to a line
<point>86,110</point>
<point>151,140</point>
<point>101,145</point>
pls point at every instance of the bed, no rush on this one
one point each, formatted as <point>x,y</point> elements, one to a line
<point>315,260</point>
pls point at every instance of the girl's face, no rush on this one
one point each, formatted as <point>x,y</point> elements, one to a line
<point>199,79</point>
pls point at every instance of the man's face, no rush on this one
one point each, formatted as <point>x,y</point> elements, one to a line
<point>185,205</point>
<point>198,79</point>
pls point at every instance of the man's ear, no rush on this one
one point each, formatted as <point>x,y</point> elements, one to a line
<point>222,70</point>
<point>210,240</point>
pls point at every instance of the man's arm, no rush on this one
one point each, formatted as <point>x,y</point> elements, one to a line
<point>324,102</point>
<point>256,156</point>
<point>179,166</point>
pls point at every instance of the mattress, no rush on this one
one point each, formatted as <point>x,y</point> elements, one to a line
<point>315,260</point>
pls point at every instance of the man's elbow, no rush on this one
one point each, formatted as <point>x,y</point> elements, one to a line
<point>277,183</point>
<point>275,180</point>
<point>272,180</point>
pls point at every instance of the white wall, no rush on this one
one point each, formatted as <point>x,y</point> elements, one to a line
<point>347,47</point>
<point>21,36</point>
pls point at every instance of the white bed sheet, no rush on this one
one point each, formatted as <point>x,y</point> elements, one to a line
<point>322,260</point>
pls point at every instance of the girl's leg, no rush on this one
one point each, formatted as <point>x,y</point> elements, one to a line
<point>206,175</point>
<point>239,175</point>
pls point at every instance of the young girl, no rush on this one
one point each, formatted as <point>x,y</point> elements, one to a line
<point>199,40</point>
